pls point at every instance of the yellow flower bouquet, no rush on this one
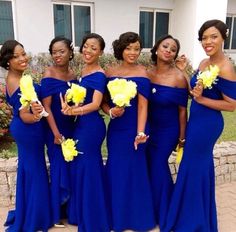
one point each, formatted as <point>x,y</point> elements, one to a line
<point>122,91</point>
<point>209,76</point>
<point>28,94</point>
<point>69,149</point>
<point>179,153</point>
<point>75,94</point>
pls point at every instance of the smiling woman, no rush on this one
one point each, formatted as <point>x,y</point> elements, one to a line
<point>27,130</point>
<point>193,206</point>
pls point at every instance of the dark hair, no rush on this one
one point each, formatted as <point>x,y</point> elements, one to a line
<point>218,24</point>
<point>7,52</point>
<point>93,36</point>
<point>156,46</point>
<point>66,41</point>
<point>125,40</point>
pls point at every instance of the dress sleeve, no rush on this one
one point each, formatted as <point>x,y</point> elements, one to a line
<point>227,87</point>
<point>143,86</point>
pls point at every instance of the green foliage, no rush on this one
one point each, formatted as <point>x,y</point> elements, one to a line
<point>5,111</point>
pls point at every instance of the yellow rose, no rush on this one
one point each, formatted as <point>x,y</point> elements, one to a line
<point>69,149</point>
<point>122,91</point>
<point>76,94</point>
<point>209,76</point>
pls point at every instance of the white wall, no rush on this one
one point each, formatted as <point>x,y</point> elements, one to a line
<point>34,22</point>
<point>113,17</point>
<point>184,28</point>
<point>35,29</point>
<point>231,9</point>
<point>189,15</point>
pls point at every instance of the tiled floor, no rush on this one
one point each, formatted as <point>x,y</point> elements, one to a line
<point>226,204</point>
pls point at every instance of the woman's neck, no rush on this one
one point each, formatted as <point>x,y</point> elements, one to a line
<point>217,58</point>
<point>91,67</point>
<point>62,69</point>
<point>163,67</point>
<point>14,74</point>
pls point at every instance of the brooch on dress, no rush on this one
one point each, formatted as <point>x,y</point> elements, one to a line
<point>154,90</point>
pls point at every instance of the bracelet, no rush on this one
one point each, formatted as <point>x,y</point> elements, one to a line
<point>141,134</point>
<point>181,140</point>
<point>81,111</point>
<point>110,114</point>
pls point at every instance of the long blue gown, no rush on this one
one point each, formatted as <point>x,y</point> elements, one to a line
<point>59,168</point>
<point>32,210</point>
<point>127,174</point>
<point>87,205</point>
<point>193,207</point>
<point>163,120</point>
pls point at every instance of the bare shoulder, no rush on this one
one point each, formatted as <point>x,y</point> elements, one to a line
<point>111,70</point>
<point>203,64</point>
<point>151,72</point>
<point>49,72</point>
<point>142,71</point>
<point>181,80</point>
<point>227,70</point>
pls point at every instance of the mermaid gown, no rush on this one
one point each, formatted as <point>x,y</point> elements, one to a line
<point>127,174</point>
<point>193,207</point>
<point>87,205</point>
<point>59,168</point>
<point>163,121</point>
<point>32,209</point>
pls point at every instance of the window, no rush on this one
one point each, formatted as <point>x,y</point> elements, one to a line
<point>230,42</point>
<point>152,25</point>
<point>6,21</point>
<point>72,21</point>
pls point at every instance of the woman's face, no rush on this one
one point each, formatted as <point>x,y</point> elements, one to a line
<point>132,52</point>
<point>60,53</point>
<point>167,50</point>
<point>212,41</point>
<point>19,62</point>
<point>91,51</point>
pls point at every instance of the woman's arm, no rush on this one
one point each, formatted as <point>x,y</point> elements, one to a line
<point>113,112</point>
<point>85,109</point>
<point>182,122</point>
<point>142,119</point>
<point>226,104</point>
<point>51,121</point>
<point>28,117</point>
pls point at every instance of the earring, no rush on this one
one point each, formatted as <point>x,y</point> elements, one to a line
<point>70,57</point>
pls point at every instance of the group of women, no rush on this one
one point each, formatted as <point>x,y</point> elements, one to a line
<point>134,190</point>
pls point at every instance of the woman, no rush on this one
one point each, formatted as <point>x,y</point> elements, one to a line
<point>32,209</point>
<point>87,206</point>
<point>129,189</point>
<point>55,81</point>
<point>192,206</point>
<point>167,119</point>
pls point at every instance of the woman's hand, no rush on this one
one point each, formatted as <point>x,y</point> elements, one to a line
<point>58,139</point>
<point>65,108</point>
<point>196,92</point>
<point>181,62</point>
<point>37,109</point>
<point>140,138</point>
<point>117,111</point>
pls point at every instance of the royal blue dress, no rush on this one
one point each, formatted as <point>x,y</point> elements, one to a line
<point>87,205</point>
<point>193,206</point>
<point>59,168</point>
<point>164,128</point>
<point>127,174</point>
<point>32,210</point>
